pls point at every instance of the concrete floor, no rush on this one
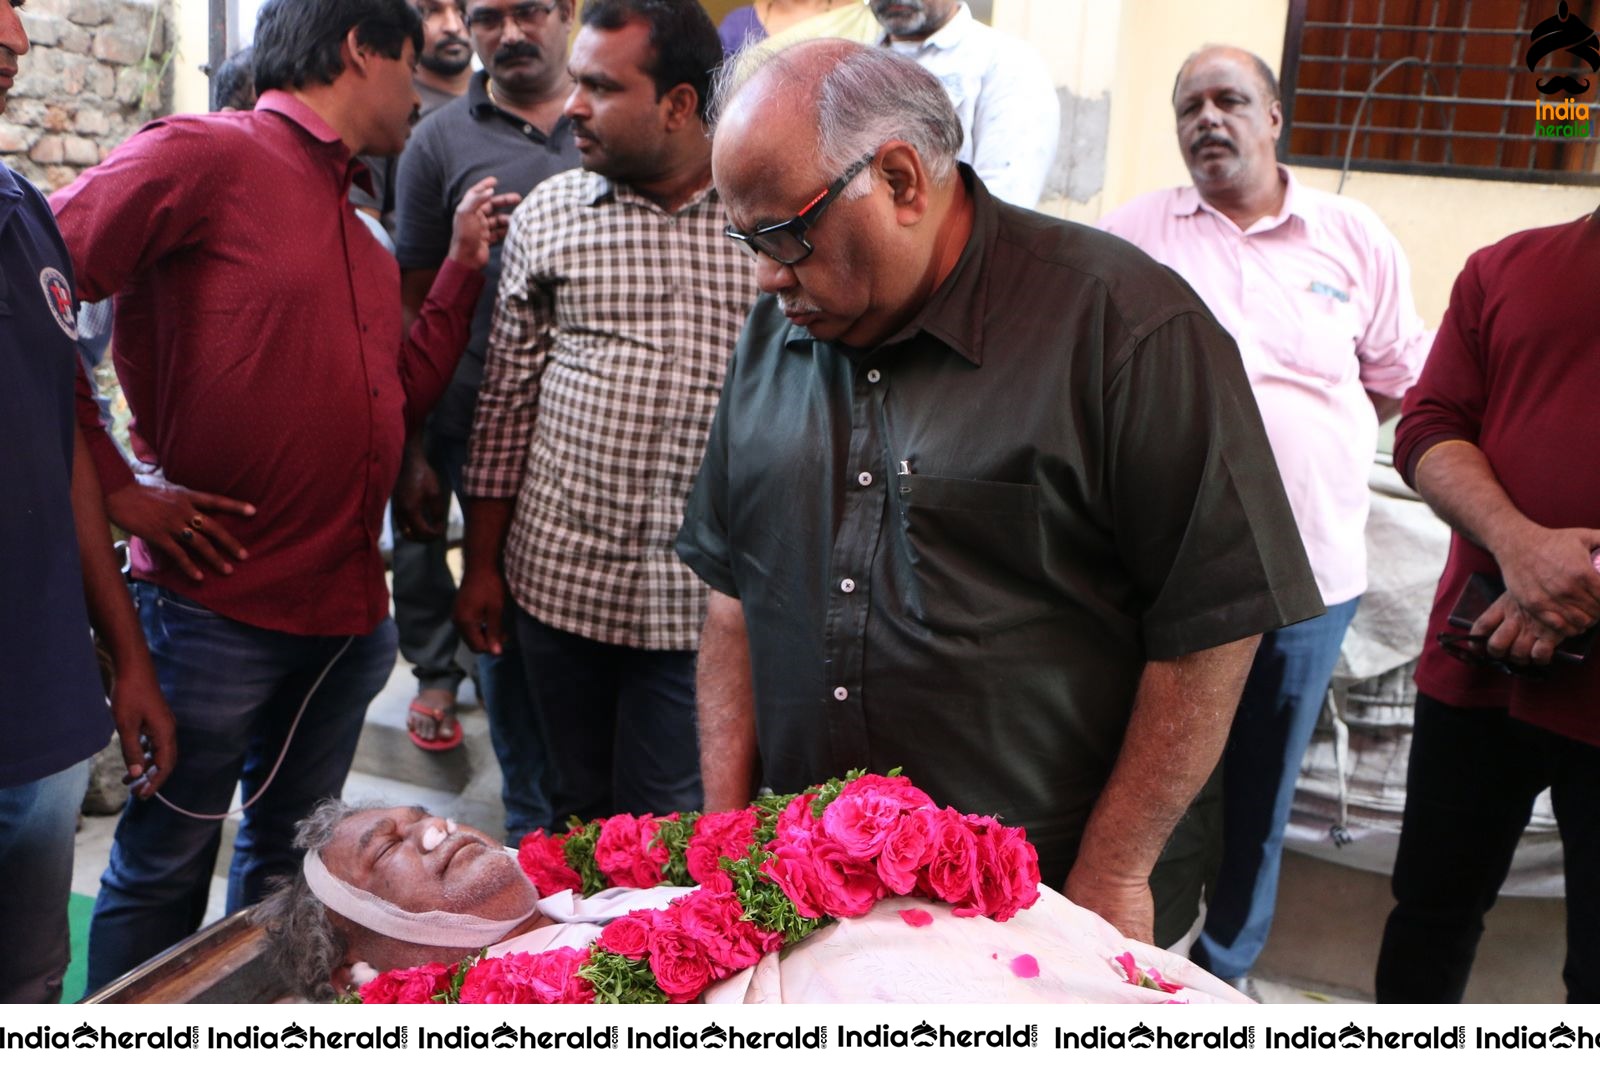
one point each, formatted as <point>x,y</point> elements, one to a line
<point>1323,946</point>
<point>1330,921</point>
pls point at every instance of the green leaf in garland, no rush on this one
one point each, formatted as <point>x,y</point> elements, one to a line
<point>675,834</point>
<point>764,901</point>
<point>579,850</point>
<point>768,809</point>
<point>452,995</point>
<point>619,980</point>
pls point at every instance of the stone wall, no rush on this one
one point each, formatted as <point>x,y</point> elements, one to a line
<point>94,74</point>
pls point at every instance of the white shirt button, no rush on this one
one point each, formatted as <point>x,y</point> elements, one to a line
<point>873,375</point>
<point>841,693</point>
<point>865,477</point>
<point>848,585</point>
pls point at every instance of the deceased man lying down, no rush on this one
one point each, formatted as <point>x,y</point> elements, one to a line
<point>390,888</point>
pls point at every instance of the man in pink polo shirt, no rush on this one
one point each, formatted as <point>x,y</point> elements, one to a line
<point>1317,293</point>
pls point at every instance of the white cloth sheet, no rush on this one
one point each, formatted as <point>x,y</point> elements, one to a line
<point>880,958</point>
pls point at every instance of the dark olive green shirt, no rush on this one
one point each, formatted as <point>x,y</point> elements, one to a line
<point>957,551</point>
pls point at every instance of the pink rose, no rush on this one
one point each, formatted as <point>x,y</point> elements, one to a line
<point>628,936</point>
<point>796,819</point>
<point>905,849</point>
<point>625,854</point>
<point>682,968</point>
<point>991,885</point>
<point>898,789</point>
<point>557,971</point>
<point>544,860</point>
<point>490,983</point>
<point>1021,864</point>
<point>529,978</point>
<point>860,822</point>
<point>951,871</point>
<point>1006,875</point>
<point>716,835</point>
<point>791,868</point>
<point>849,886</point>
<point>717,921</point>
<point>650,865</point>
<point>718,881</point>
<point>614,847</point>
<point>414,985</point>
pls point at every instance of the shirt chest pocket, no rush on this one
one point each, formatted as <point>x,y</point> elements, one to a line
<point>1319,328</point>
<point>974,550</point>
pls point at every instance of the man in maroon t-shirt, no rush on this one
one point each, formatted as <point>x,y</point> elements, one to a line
<point>1500,436</point>
<point>259,342</point>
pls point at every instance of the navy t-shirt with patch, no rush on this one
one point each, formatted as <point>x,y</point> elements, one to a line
<point>52,711</point>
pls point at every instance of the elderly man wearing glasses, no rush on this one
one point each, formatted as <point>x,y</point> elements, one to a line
<point>987,496</point>
<point>620,301</point>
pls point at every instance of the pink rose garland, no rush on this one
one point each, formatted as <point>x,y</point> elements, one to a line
<point>876,836</point>
<point>529,978</point>
<point>414,985</point>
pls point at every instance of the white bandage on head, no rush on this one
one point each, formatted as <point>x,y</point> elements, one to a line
<point>437,929</point>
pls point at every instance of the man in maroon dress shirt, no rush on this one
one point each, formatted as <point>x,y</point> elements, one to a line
<point>1499,436</point>
<point>260,345</point>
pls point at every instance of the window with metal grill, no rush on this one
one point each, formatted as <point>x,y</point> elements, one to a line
<point>1440,87</point>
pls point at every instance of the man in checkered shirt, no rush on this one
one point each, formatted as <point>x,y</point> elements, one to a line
<point>620,302</point>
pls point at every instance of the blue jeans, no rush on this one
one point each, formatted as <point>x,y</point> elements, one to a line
<point>37,822</point>
<point>234,690</point>
<point>1278,711</point>
<point>618,723</point>
<point>1470,785</point>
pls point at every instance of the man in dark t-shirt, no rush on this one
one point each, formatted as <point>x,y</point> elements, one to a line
<point>987,496</point>
<point>58,574</point>
<point>509,126</point>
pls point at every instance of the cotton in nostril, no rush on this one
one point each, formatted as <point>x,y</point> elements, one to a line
<point>450,824</point>
<point>433,837</point>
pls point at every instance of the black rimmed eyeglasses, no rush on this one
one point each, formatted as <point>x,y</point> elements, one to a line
<point>529,16</point>
<point>785,242</point>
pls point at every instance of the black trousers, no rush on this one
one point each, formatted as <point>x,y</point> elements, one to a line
<point>1470,787</point>
<point>618,723</point>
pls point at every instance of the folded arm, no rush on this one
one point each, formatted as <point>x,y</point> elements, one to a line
<point>1552,588</point>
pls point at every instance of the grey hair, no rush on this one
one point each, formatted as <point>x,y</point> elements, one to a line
<point>864,98</point>
<point>303,945</point>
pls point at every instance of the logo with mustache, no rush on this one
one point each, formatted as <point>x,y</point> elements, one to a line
<point>1564,32</point>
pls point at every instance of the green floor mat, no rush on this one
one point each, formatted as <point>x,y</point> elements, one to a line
<point>79,909</point>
